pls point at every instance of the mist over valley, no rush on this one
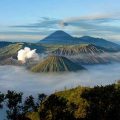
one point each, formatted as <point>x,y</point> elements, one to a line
<point>20,79</point>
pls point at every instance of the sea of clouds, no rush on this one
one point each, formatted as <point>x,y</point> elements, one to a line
<point>20,79</point>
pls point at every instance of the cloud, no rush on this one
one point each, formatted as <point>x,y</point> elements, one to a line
<point>98,25</point>
<point>98,17</point>
<point>27,54</point>
<point>18,38</point>
<point>19,79</point>
<point>44,22</point>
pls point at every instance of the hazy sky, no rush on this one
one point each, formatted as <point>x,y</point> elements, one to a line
<point>31,20</point>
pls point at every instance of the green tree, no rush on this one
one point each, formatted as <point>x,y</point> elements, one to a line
<point>2,97</point>
<point>14,101</point>
<point>55,108</point>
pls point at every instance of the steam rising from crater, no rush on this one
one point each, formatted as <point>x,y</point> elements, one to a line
<point>26,54</point>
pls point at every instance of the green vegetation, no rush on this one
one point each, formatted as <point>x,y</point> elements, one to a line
<point>19,108</point>
<point>33,115</point>
<point>10,51</point>
<point>80,103</point>
<point>56,64</point>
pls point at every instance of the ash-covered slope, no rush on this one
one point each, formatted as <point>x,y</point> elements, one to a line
<point>84,54</point>
<point>80,49</point>
<point>56,64</point>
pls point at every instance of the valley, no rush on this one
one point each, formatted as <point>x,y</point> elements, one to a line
<point>57,63</point>
<point>88,52</point>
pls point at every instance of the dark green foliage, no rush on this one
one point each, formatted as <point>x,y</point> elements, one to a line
<point>104,103</point>
<point>41,97</point>
<point>2,97</point>
<point>29,104</point>
<point>22,117</point>
<point>18,109</point>
<point>14,104</point>
<point>81,103</point>
<point>55,108</point>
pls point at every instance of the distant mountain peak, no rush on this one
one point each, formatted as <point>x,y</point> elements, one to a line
<point>58,37</point>
<point>60,33</point>
<point>62,38</point>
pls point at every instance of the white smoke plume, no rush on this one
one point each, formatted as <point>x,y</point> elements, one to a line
<point>26,54</point>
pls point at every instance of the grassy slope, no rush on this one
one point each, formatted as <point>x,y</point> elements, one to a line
<point>102,96</point>
<point>33,116</point>
<point>10,50</point>
<point>73,96</point>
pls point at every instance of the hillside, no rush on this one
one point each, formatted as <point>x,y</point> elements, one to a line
<point>56,64</point>
<point>83,54</point>
<point>100,42</point>
<point>81,103</point>
<point>9,51</point>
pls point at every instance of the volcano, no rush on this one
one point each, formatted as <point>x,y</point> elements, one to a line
<point>58,37</point>
<point>62,38</point>
<point>78,49</point>
<point>56,64</point>
<point>83,54</point>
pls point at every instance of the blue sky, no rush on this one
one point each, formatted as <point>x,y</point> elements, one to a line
<point>32,20</point>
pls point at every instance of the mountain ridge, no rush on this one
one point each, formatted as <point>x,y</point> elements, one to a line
<point>63,38</point>
<point>83,54</point>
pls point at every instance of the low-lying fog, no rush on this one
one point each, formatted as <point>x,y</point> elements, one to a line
<point>20,79</point>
